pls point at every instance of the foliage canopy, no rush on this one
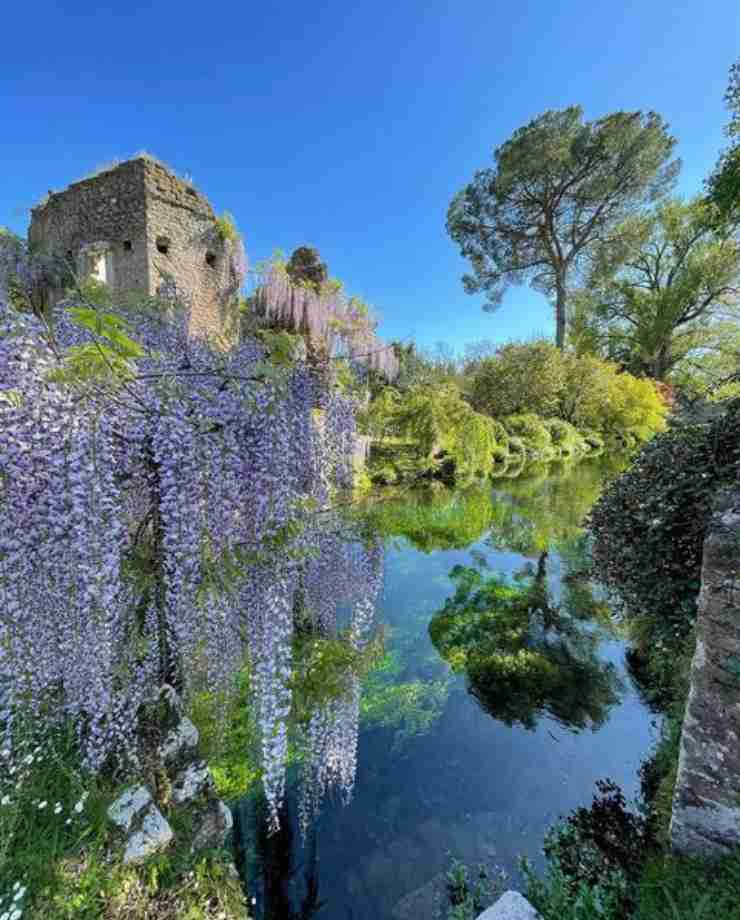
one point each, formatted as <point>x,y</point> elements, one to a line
<point>558,189</point>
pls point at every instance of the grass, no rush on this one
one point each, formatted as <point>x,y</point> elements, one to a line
<point>59,856</point>
<point>678,888</point>
<point>226,228</point>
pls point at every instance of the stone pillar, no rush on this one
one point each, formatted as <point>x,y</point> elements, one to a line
<point>706,804</point>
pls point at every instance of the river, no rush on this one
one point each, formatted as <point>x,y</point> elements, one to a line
<point>501,696</point>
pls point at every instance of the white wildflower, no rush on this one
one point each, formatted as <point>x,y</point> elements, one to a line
<point>43,805</point>
<point>5,801</point>
<point>57,808</point>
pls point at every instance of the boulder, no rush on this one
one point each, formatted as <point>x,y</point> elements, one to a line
<point>181,740</point>
<point>510,906</point>
<point>129,806</point>
<point>215,825</point>
<point>154,835</point>
<point>193,780</point>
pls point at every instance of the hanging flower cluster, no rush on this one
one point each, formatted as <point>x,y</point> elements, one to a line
<point>161,518</point>
<point>327,317</point>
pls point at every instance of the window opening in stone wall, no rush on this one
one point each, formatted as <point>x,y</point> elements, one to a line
<point>211,259</point>
<point>163,244</point>
<point>98,266</point>
<point>127,247</point>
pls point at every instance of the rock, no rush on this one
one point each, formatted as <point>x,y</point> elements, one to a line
<point>191,782</point>
<point>184,736</point>
<point>510,906</point>
<point>216,824</point>
<point>129,805</point>
<point>155,835</point>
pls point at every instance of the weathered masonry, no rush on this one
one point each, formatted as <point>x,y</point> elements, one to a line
<point>706,805</point>
<point>139,228</point>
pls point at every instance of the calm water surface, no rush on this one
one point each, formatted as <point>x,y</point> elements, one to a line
<point>477,734</point>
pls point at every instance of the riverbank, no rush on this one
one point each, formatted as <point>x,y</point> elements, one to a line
<point>664,541</point>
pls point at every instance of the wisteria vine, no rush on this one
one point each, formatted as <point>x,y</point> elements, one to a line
<point>326,316</point>
<point>157,527</point>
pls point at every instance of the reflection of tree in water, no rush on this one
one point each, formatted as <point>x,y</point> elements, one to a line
<point>541,508</point>
<point>434,518</point>
<point>545,509</point>
<point>523,655</point>
<point>275,859</point>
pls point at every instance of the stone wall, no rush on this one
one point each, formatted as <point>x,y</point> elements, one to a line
<point>706,805</point>
<point>138,227</point>
<point>107,209</point>
<point>179,218</point>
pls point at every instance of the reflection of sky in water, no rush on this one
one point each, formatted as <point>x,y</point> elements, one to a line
<point>470,786</point>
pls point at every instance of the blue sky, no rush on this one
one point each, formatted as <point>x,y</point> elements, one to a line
<point>349,126</point>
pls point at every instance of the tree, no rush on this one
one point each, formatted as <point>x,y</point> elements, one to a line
<point>526,377</point>
<point>559,187</point>
<point>305,266</point>
<point>723,186</point>
<point>666,293</point>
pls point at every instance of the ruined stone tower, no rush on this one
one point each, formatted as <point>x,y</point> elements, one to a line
<point>139,228</point>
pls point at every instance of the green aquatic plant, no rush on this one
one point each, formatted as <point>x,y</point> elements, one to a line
<point>410,708</point>
<point>470,891</point>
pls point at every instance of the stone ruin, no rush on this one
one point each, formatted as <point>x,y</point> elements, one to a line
<point>706,806</point>
<point>140,229</point>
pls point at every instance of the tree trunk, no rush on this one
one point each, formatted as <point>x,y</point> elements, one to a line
<point>170,666</point>
<point>662,363</point>
<point>560,314</point>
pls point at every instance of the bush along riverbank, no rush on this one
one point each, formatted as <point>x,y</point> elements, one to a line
<point>649,527</point>
<point>529,403</point>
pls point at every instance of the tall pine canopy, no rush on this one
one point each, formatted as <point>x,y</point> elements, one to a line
<point>557,191</point>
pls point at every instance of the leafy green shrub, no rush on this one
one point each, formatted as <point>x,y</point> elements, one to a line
<point>586,390</point>
<point>553,896</point>
<point>468,895</point>
<point>564,437</point>
<point>449,436</point>
<point>226,228</point>
<point>593,439</point>
<point>634,410</point>
<point>516,445</point>
<point>520,378</point>
<point>649,528</point>
<point>532,432</point>
<point>583,390</point>
<point>500,433</point>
